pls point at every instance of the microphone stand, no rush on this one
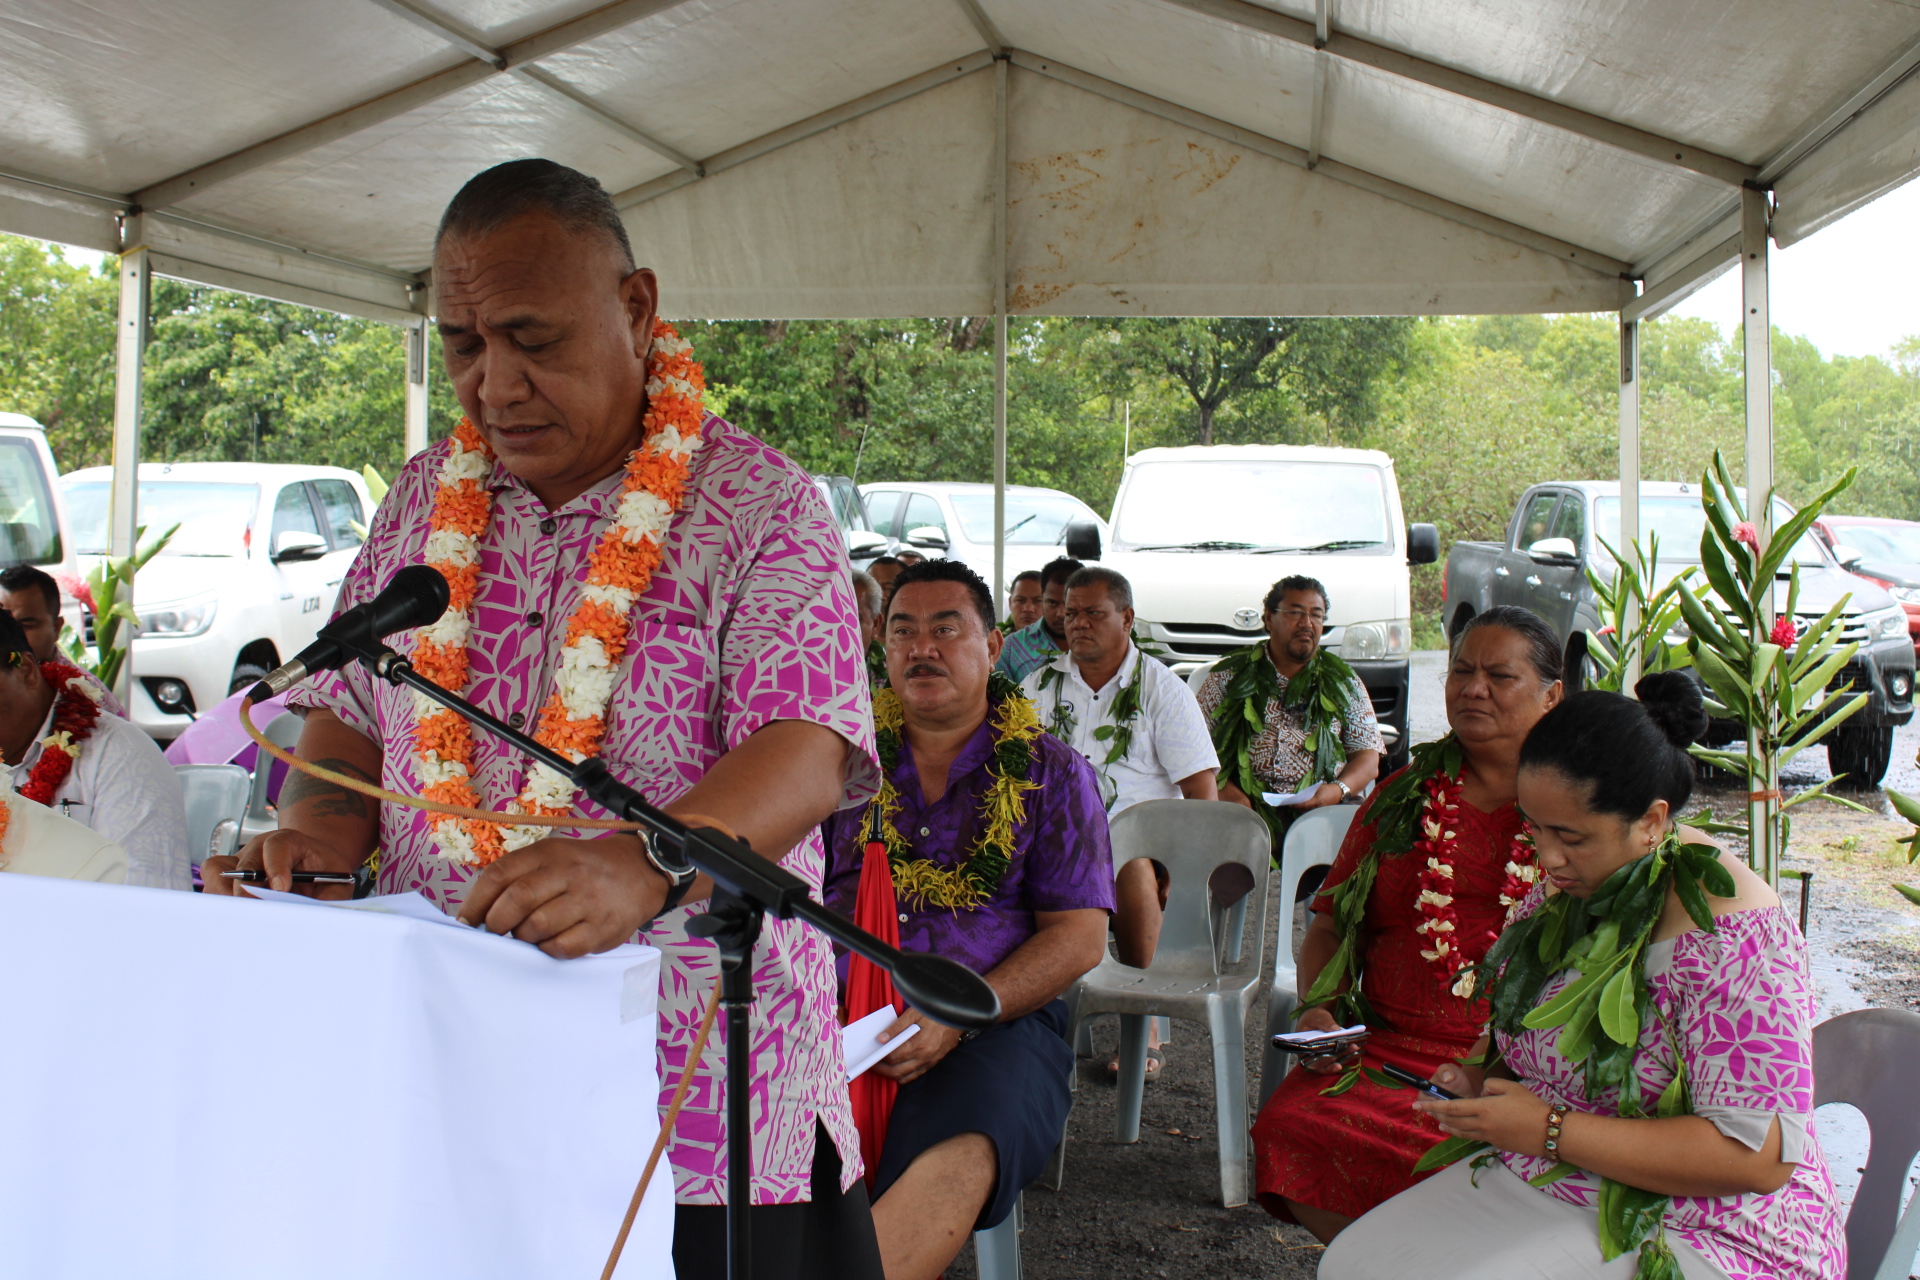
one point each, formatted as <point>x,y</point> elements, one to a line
<point>747,887</point>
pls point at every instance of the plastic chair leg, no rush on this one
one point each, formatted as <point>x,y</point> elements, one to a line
<point>1083,1040</point>
<point>1228,1028</point>
<point>1056,1171</point>
<point>996,1251</point>
<point>1132,1082</point>
<point>1274,1064</point>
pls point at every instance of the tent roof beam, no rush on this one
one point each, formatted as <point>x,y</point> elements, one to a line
<point>366,114</point>
<point>1253,17</point>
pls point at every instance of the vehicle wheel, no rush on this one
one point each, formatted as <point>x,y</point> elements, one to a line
<point>1862,754</point>
<point>245,676</point>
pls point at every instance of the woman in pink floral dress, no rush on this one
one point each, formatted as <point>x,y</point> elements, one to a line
<point>1727,1160</point>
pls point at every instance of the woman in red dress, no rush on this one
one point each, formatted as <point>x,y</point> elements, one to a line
<point>1442,849</point>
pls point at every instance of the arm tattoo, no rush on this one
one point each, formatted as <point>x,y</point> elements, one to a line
<point>332,799</point>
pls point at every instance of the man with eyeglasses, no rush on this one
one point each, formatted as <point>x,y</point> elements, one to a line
<point>1279,759</point>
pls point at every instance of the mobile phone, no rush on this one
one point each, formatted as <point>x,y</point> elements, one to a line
<point>1425,1086</point>
<point>1316,1044</point>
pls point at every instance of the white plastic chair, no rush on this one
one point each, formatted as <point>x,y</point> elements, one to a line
<point>1866,1058</point>
<point>1187,978</point>
<point>996,1251</point>
<point>282,731</point>
<point>1313,840</point>
<point>216,800</point>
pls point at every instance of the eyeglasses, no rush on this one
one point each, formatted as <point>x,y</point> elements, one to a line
<point>1304,615</point>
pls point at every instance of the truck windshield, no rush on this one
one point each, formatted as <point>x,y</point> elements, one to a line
<point>214,519</point>
<point>1229,506</point>
<point>1031,517</point>
<point>1680,522</point>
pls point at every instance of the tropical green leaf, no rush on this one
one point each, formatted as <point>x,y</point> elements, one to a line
<point>1904,805</point>
<point>1908,892</point>
<point>1828,725</point>
<point>1576,1038</point>
<point>1616,1008</point>
<point>1382,1079</point>
<point>1347,1080</point>
<point>1694,900</point>
<point>1673,1098</point>
<point>1789,533</point>
<point>1553,1175</point>
<point>1442,1154</point>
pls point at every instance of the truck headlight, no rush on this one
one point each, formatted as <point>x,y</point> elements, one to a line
<point>187,618</point>
<point>1886,623</point>
<point>1905,595</point>
<point>1372,641</point>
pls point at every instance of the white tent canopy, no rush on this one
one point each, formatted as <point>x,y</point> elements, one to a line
<point>842,158</point>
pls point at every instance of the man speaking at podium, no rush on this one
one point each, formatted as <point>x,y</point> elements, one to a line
<point>631,576</point>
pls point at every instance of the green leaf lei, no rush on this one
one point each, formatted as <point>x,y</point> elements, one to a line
<point>1321,689</point>
<point>1395,815</point>
<point>1600,1014</point>
<point>976,878</point>
<point>1118,735</point>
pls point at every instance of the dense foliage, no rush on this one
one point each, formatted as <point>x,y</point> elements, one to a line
<point>1472,409</point>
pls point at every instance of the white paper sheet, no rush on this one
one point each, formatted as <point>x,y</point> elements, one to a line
<point>860,1040</point>
<point>414,906</point>
<point>1304,1038</point>
<point>1278,801</point>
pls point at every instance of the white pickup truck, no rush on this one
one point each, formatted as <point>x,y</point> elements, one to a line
<point>1203,532</point>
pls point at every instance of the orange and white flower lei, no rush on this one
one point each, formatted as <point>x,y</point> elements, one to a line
<point>573,721</point>
<point>1439,843</point>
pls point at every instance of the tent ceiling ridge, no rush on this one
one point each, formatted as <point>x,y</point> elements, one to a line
<point>66,188</point>
<point>766,143</point>
<point>996,43</point>
<point>294,248</point>
<point>1823,128</point>
<point>373,111</point>
<point>1593,260</point>
<point>1464,84</point>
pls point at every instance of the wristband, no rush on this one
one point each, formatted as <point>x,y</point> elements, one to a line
<point>1556,1116</point>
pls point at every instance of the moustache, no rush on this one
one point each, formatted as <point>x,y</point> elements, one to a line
<point>920,669</point>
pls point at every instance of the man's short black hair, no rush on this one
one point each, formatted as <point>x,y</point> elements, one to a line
<point>1119,590</point>
<point>949,571</point>
<point>1298,582</point>
<point>13,641</point>
<point>505,192</point>
<point>1058,571</point>
<point>1026,575</point>
<point>895,561</point>
<point>24,577</point>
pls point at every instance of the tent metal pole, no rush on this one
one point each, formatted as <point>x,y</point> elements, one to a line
<point>1630,481</point>
<point>999,331</point>
<point>415,336</point>
<point>1758,333</point>
<point>136,280</point>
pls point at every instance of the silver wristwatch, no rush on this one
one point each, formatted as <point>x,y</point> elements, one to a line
<point>1346,792</point>
<point>679,872</point>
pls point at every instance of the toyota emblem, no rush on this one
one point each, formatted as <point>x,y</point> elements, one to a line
<point>1246,619</point>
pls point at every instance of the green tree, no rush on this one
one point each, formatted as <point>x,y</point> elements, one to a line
<point>56,348</point>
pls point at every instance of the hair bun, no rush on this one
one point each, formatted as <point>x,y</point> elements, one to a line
<point>1672,700</point>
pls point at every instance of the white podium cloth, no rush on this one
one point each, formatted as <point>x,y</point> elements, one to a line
<point>205,1088</point>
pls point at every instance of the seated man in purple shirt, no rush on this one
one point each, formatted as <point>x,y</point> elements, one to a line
<point>976,1116</point>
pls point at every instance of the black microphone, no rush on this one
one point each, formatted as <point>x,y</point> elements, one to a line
<point>414,597</point>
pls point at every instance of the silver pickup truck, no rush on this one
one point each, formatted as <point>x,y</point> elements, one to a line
<point>1555,533</point>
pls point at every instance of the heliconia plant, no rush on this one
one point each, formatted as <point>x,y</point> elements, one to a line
<point>104,594</point>
<point>1761,669</point>
<point>1635,623</point>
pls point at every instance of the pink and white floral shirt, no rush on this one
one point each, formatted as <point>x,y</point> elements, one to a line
<point>749,619</point>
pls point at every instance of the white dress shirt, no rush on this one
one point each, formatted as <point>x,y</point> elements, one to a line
<point>1170,739</point>
<point>39,842</point>
<point>124,789</point>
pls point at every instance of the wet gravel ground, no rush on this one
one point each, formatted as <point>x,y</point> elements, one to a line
<point>1153,1209</point>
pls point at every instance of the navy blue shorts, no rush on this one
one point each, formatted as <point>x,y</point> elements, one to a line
<point>1010,1083</point>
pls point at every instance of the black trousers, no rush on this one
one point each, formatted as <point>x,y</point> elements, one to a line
<point>830,1238</point>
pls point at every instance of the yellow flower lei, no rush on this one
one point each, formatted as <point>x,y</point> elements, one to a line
<point>921,882</point>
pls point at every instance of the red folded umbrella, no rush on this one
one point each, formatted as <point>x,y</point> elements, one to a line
<point>869,987</point>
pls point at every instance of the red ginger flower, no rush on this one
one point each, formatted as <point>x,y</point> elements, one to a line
<point>1745,532</point>
<point>1783,632</point>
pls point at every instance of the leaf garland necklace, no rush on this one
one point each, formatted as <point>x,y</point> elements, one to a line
<point>1117,734</point>
<point>1601,1013</point>
<point>1320,692</point>
<point>974,879</point>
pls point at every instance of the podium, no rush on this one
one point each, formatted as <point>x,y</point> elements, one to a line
<point>209,1088</point>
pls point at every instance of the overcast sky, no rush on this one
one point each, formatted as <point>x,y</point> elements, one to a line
<point>1851,288</point>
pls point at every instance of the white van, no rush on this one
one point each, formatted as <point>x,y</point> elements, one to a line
<point>1203,532</point>
<point>33,520</point>
<point>949,520</point>
<point>244,584</point>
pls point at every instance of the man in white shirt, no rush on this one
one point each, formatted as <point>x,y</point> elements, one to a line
<point>33,598</point>
<point>1137,724</point>
<point>39,842</point>
<point>120,786</point>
